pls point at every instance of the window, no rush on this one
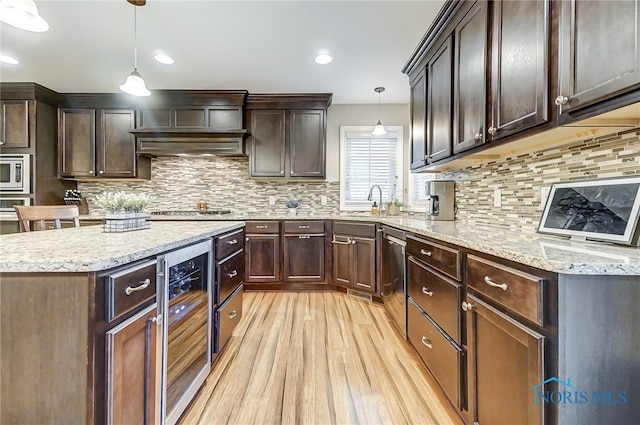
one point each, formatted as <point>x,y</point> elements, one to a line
<point>366,160</point>
<point>417,191</point>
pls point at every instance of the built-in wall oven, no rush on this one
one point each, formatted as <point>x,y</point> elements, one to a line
<point>15,176</point>
<point>187,325</point>
<point>394,288</point>
<point>8,202</point>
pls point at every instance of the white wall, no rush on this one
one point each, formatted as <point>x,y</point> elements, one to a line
<point>337,115</point>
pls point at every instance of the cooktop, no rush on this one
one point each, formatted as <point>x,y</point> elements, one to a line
<point>207,212</point>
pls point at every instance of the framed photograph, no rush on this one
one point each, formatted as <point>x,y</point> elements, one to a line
<point>601,210</point>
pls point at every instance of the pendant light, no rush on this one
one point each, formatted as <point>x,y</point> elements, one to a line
<point>134,84</point>
<point>379,128</point>
<point>22,14</point>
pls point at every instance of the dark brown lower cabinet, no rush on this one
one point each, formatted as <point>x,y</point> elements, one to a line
<point>505,363</point>
<point>354,262</point>
<point>262,258</point>
<point>134,354</point>
<point>303,258</point>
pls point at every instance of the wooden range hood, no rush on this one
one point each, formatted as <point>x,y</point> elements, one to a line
<point>183,142</point>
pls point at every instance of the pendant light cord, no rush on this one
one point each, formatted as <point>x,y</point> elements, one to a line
<point>135,37</point>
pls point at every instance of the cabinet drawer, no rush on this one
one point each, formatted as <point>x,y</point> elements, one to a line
<point>130,288</point>
<point>229,315</point>
<point>229,274</point>
<point>363,230</point>
<point>304,227</point>
<point>442,358</point>
<point>516,290</point>
<point>442,258</point>
<point>262,227</point>
<point>228,244</point>
<point>437,295</point>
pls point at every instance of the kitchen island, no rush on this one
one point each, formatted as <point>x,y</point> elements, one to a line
<point>59,310</point>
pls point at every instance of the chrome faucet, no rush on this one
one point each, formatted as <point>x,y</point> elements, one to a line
<point>370,198</point>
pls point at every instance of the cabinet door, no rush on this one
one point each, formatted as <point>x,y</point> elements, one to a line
<point>470,78</point>
<point>520,52</point>
<point>133,370</point>
<point>77,128</point>
<point>506,359</point>
<point>116,150</point>
<point>14,124</point>
<point>307,143</point>
<point>342,260</point>
<point>262,258</point>
<point>268,143</point>
<point>418,120</point>
<point>598,58</point>
<point>439,103</point>
<point>304,258</point>
<point>364,264</point>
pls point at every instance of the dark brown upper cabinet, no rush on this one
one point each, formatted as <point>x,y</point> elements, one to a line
<point>470,72</point>
<point>520,63</point>
<point>14,123</point>
<point>418,87</point>
<point>439,103</point>
<point>288,135</point>
<point>97,143</point>
<point>599,51</point>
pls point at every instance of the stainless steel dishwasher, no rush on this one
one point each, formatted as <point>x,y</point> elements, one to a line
<point>394,288</point>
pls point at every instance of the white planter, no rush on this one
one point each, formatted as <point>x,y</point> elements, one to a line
<point>293,211</point>
<point>124,222</point>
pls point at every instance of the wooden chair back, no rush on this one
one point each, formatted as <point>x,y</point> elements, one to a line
<point>46,216</point>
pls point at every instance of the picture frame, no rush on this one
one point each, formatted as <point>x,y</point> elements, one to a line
<point>604,210</point>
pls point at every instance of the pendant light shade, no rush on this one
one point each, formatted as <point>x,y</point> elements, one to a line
<point>379,130</point>
<point>22,14</point>
<point>134,85</point>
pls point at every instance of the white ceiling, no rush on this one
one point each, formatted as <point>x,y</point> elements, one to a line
<point>260,46</point>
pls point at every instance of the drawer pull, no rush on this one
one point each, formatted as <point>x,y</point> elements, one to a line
<point>304,237</point>
<point>427,253</point>
<point>490,282</point>
<point>233,242</point>
<point>233,273</point>
<point>233,314</point>
<point>467,306</point>
<point>427,342</point>
<point>348,242</point>
<point>303,227</point>
<point>261,227</point>
<point>143,285</point>
<point>427,292</point>
<point>363,284</point>
<point>157,319</point>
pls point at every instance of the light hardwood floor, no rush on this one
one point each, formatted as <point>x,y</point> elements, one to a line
<point>317,358</point>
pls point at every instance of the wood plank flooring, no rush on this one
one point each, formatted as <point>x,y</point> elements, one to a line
<point>317,358</point>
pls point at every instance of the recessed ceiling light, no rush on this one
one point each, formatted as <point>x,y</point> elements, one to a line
<point>165,59</point>
<point>323,59</point>
<point>8,59</point>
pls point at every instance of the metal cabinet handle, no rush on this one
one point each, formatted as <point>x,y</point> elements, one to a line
<point>247,239</point>
<point>424,252</point>
<point>478,136</point>
<point>492,130</point>
<point>426,291</point>
<point>233,273</point>
<point>261,227</point>
<point>233,242</point>
<point>561,100</point>
<point>353,242</point>
<point>490,282</point>
<point>1,143</point>
<point>100,172</point>
<point>90,171</point>
<point>427,342</point>
<point>467,306</point>
<point>143,285</point>
<point>233,314</point>
<point>157,319</point>
<point>363,285</point>
<point>348,242</point>
<point>304,237</point>
<point>303,227</point>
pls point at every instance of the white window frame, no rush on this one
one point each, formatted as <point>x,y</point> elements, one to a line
<point>352,131</point>
<point>414,203</point>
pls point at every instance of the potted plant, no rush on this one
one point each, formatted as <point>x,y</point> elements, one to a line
<point>293,205</point>
<point>123,210</point>
<point>393,207</point>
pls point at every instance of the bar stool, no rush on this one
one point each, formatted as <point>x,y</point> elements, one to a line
<point>46,216</point>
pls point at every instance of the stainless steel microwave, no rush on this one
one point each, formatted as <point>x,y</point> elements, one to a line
<point>15,173</point>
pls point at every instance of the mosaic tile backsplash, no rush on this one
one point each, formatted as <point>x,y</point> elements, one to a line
<point>179,183</point>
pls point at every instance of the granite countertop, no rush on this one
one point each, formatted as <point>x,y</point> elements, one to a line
<point>88,249</point>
